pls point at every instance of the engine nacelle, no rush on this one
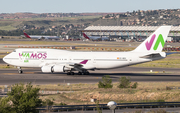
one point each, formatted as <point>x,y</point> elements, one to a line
<point>58,68</point>
<point>46,69</point>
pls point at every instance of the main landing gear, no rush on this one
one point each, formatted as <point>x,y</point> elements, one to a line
<point>70,73</point>
<point>84,72</point>
<point>20,70</point>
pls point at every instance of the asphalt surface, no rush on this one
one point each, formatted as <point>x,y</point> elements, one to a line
<point>105,43</point>
<point>146,110</point>
<point>1,61</point>
<point>34,75</point>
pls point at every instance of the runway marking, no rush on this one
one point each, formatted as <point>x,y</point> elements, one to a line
<point>18,73</point>
<point>29,72</point>
<point>9,73</point>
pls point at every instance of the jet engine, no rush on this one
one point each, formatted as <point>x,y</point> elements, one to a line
<point>54,69</point>
<point>46,69</point>
<point>58,68</point>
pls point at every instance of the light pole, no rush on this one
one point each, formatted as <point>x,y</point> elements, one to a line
<point>112,105</point>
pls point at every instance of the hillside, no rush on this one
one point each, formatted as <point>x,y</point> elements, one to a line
<point>142,18</point>
<point>72,23</point>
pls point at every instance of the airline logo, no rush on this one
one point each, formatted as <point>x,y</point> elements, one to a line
<point>33,55</point>
<point>85,36</point>
<point>158,41</point>
<point>27,35</point>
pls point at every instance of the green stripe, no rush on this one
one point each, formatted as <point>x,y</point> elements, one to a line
<point>160,39</point>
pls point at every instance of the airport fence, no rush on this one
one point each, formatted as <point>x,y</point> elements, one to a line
<point>93,107</point>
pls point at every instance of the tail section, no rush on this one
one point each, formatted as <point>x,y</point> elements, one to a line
<point>26,35</point>
<point>155,42</point>
<point>85,36</point>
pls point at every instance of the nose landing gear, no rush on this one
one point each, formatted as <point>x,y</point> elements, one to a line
<point>20,70</point>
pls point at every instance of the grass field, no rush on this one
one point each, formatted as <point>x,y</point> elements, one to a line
<point>9,25</point>
<point>25,43</point>
<point>82,93</point>
<point>171,61</point>
<point>13,24</point>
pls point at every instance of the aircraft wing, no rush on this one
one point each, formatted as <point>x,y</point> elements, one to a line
<point>78,64</point>
<point>68,65</point>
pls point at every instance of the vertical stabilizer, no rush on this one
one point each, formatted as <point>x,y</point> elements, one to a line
<point>85,36</point>
<point>26,35</point>
<point>155,42</point>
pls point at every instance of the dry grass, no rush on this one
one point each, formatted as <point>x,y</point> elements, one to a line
<point>82,93</point>
<point>56,43</point>
<point>4,66</point>
<point>171,61</point>
<point>1,56</point>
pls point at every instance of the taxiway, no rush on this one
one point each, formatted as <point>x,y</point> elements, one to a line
<point>34,75</point>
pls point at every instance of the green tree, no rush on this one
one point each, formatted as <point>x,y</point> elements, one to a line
<point>24,99</point>
<point>124,82</point>
<point>106,82</point>
<point>98,107</point>
<point>5,106</point>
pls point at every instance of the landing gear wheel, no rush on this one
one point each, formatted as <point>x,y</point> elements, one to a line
<point>79,73</point>
<point>72,73</point>
<point>20,71</point>
<point>87,73</point>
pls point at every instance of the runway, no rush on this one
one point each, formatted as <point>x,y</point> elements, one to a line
<point>34,75</point>
<point>1,61</point>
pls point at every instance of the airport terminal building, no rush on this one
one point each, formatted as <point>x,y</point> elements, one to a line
<point>128,31</point>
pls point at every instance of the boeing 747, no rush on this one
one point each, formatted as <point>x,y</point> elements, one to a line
<point>53,60</point>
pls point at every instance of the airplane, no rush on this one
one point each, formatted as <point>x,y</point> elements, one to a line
<point>40,37</point>
<point>58,61</point>
<point>95,38</point>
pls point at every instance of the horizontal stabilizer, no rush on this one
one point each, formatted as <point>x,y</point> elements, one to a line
<point>154,55</point>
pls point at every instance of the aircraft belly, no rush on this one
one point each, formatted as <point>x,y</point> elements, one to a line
<point>111,64</point>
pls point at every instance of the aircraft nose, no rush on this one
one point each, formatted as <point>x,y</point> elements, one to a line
<point>5,59</point>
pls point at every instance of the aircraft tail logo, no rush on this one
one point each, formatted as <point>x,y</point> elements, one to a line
<point>26,35</point>
<point>85,36</point>
<point>159,40</point>
<point>155,42</point>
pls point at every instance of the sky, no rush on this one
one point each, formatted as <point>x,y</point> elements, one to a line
<point>84,6</point>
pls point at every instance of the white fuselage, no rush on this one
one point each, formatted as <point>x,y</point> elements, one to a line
<point>43,37</point>
<point>96,60</point>
<point>99,38</point>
